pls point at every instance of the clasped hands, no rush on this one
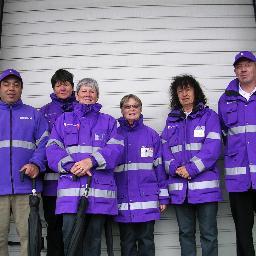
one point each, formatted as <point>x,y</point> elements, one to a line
<point>182,172</point>
<point>82,167</point>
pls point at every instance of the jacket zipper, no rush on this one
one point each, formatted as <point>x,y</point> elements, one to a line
<point>11,149</point>
<point>185,156</point>
<point>185,141</point>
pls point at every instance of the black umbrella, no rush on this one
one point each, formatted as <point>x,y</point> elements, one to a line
<point>34,222</point>
<point>76,236</point>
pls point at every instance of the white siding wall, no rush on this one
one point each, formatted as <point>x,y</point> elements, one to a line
<point>131,46</point>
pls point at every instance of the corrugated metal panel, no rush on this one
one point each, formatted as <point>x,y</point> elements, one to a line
<point>131,46</point>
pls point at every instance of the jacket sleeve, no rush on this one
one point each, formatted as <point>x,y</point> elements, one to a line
<point>210,150</point>
<point>109,156</point>
<point>160,173</point>
<point>58,158</point>
<point>41,136</point>
<point>169,161</point>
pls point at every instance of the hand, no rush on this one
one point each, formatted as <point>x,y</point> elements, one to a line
<point>82,167</point>
<point>182,172</point>
<point>30,170</point>
<point>163,207</point>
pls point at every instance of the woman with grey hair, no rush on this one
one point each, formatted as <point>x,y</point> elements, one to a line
<point>84,143</point>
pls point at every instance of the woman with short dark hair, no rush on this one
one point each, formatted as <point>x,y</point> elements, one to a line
<point>191,147</point>
<point>62,100</point>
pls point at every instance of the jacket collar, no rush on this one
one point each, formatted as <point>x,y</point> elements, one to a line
<point>178,114</point>
<point>17,104</point>
<point>232,91</point>
<point>84,109</point>
<point>67,104</point>
<point>136,125</point>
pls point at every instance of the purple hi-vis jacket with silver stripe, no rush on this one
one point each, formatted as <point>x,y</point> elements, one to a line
<point>23,137</point>
<point>140,178</point>
<point>193,142</point>
<point>77,135</point>
<point>238,120</point>
<point>51,112</point>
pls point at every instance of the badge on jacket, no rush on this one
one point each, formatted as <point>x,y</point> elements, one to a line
<point>146,152</point>
<point>199,132</point>
<point>99,136</point>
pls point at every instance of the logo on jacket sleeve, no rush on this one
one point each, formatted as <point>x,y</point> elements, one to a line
<point>146,152</point>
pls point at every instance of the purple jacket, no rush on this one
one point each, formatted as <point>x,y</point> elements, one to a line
<point>77,135</point>
<point>51,112</point>
<point>23,136</point>
<point>193,142</point>
<point>140,178</point>
<point>238,120</point>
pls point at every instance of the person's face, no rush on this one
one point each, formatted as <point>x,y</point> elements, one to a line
<point>245,71</point>
<point>186,96</point>
<point>10,89</point>
<point>131,110</point>
<point>63,90</point>
<point>87,95</point>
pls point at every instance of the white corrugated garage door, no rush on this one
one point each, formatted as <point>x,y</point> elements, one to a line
<point>131,46</point>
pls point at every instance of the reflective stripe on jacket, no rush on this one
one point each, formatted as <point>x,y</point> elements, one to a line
<point>51,112</point>
<point>23,136</point>
<point>77,135</point>
<point>238,120</point>
<point>193,142</point>
<point>140,178</point>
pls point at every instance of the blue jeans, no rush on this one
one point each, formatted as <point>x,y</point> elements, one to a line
<point>206,214</point>
<point>91,245</point>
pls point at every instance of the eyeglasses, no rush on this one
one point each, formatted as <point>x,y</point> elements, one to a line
<point>131,106</point>
<point>240,66</point>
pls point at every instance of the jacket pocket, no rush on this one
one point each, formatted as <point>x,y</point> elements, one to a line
<point>231,159</point>
<point>231,114</point>
<point>149,189</point>
<point>172,136</point>
<point>104,180</point>
<point>71,135</point>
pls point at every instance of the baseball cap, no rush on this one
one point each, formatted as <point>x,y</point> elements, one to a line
<point>10,72</point>
<point>244,55</point>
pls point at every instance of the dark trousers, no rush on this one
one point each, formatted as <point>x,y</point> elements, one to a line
<point>54,227</point>
<point>206,214</point>
<point>243,206</point>
<point>91,245</point>
<point>137,239</point>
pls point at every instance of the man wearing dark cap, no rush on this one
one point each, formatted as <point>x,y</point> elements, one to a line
<point>237,111</point>
<point>23,136</point>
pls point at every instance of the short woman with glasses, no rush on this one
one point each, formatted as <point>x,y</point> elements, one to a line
<point>141,181</point>
<point>191,147</point>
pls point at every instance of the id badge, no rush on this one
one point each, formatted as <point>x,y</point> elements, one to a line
<point>199,132</point>
<point>146,152</point>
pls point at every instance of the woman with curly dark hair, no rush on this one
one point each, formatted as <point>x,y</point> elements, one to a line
<point>191,147</point>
